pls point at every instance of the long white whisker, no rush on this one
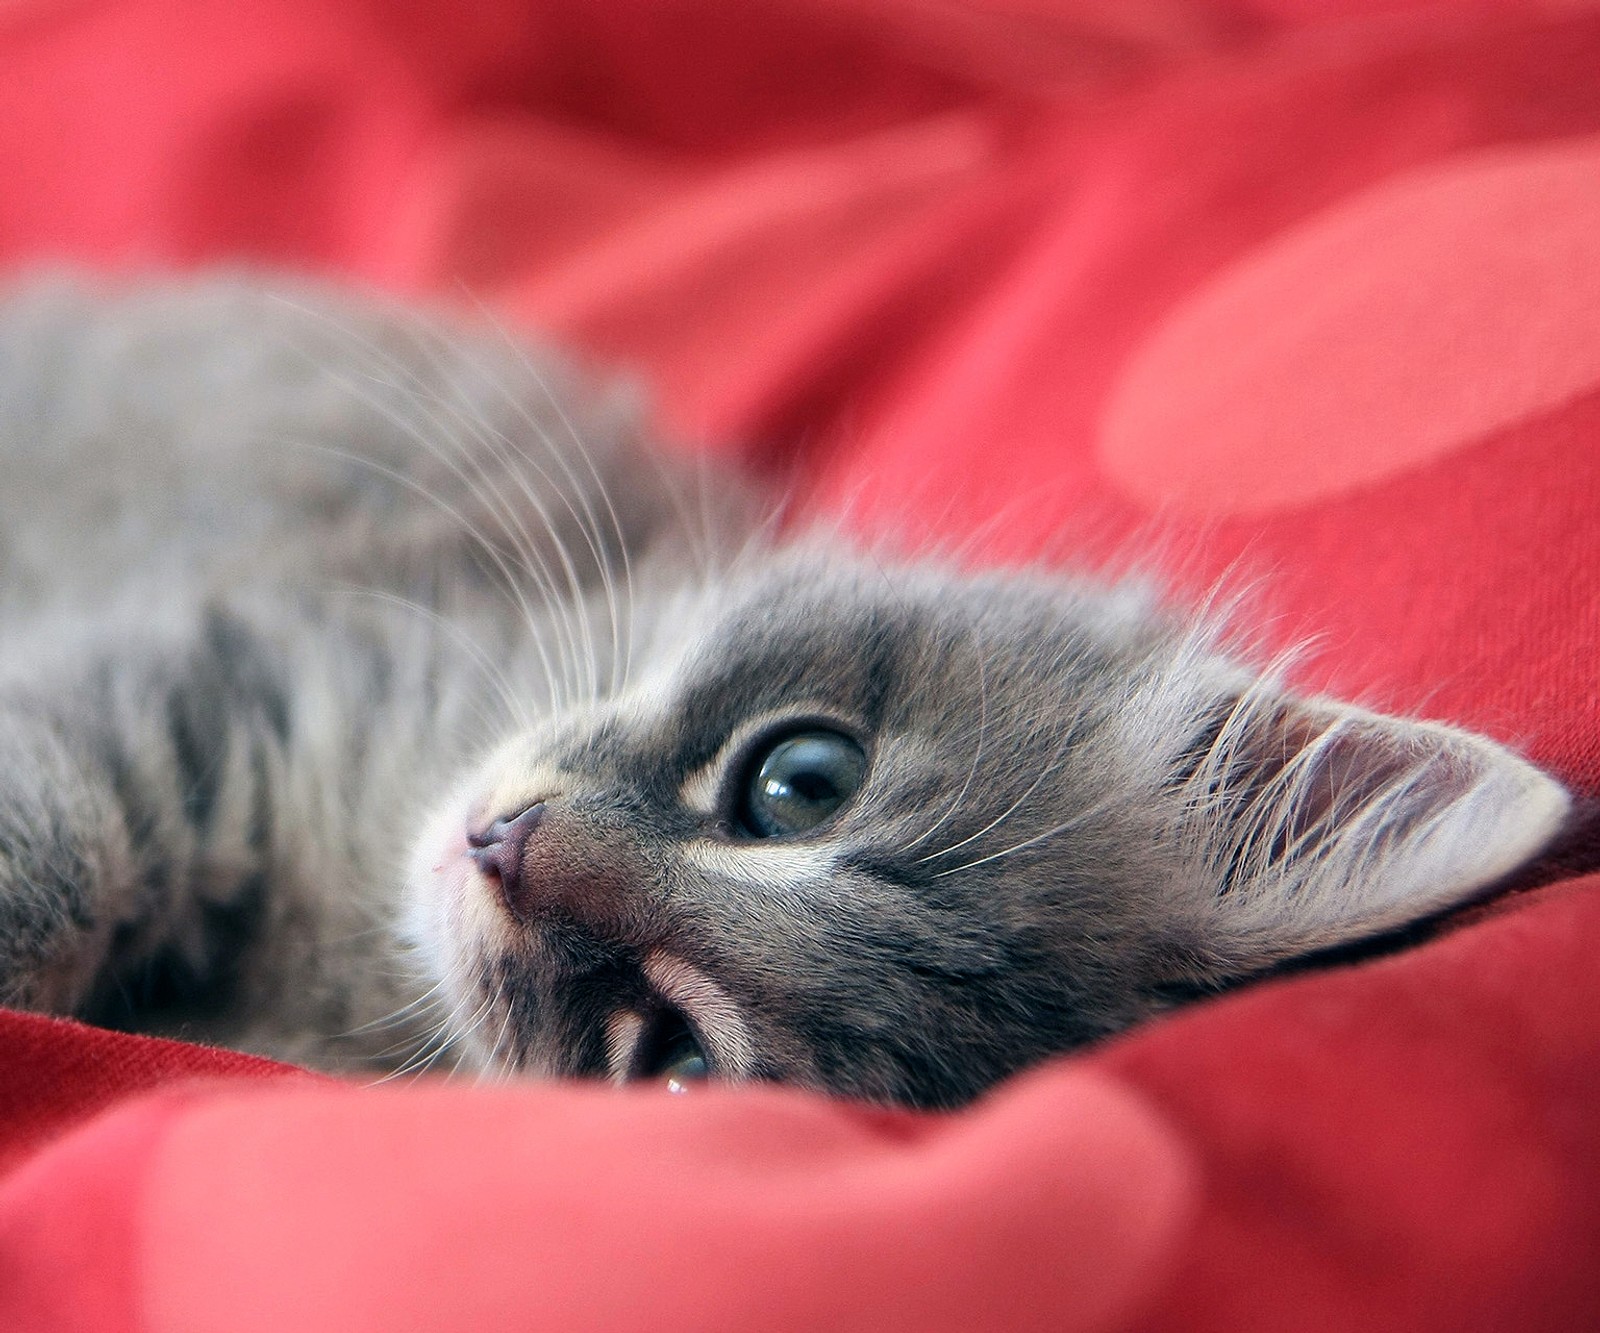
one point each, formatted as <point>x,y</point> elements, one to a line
<point>493,1070</point>
<point>482,489</point>
<point>1065,826</point>
<point>515,463</point>
<point>444,1035</point>
<point>419,394</point>
<point>515,705</point>
<point>591,529</point>
<point>435,1046</point>
<point>512,585</point>
<point>403,1013</point>
<point>1068,737</point>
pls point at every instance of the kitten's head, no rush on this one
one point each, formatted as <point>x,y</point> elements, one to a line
<point>897,834</point>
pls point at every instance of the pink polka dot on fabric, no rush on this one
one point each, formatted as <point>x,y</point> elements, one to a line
<point>1059,1204</point>
<point>1413,319</point>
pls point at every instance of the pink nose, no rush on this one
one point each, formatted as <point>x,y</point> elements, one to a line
<point>501,851</point>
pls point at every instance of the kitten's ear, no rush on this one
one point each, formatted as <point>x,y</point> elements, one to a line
<point>1336,823</point>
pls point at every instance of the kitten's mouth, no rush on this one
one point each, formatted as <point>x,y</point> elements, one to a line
<point>672,1024</point>
<point>525,897</point>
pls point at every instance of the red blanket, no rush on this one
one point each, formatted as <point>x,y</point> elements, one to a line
<point>1307,289</point>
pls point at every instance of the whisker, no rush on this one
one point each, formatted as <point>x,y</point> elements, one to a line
<point>482,489</point>
<point>420,396</point>
<point>1066,826</point>
<point>511,583</point>
<point>401,1014</point>
<point>1068,738</point>
<point>494,1070</point>
<point>497,677</point>
<point>430,1051</point>
<point>516,463</point>
<point>591,529</point>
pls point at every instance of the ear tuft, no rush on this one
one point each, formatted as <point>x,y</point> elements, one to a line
<point>1324,823</point>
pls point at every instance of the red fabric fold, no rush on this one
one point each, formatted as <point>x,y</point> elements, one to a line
<point>61,1073</point>
<point>725,1211</point>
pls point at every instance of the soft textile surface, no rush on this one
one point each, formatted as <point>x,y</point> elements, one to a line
<point>1305,291</point>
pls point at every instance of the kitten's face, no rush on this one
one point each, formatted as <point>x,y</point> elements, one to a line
<point>815,848</point>
<point>891,836</point>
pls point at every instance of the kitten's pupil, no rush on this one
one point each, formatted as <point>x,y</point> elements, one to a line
<point>801,781</point>
<point>672,1053</point>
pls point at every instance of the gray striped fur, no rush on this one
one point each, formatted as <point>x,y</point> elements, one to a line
<point>295,587</point>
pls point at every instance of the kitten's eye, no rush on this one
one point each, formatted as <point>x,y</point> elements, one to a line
<point>800,781</point>
<point>687,1066</point>
<point>671,1053</point>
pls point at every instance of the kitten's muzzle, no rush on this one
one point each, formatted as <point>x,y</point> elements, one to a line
<point>550,859</point>
<point>501,851</point>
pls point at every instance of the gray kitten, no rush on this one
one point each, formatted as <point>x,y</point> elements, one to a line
<point>370,696</point>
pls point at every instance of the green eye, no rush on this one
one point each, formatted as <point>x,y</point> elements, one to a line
<point>686,1067</point>
<point>671,1053</point>
<point>799,782</point>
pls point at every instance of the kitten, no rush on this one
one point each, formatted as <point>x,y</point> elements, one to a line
<point>372,697</point>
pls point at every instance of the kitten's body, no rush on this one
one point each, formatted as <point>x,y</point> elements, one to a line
<point>297,604</point>
<point>212,497</point>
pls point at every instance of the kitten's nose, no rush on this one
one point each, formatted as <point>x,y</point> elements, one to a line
<point>501,853</point>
